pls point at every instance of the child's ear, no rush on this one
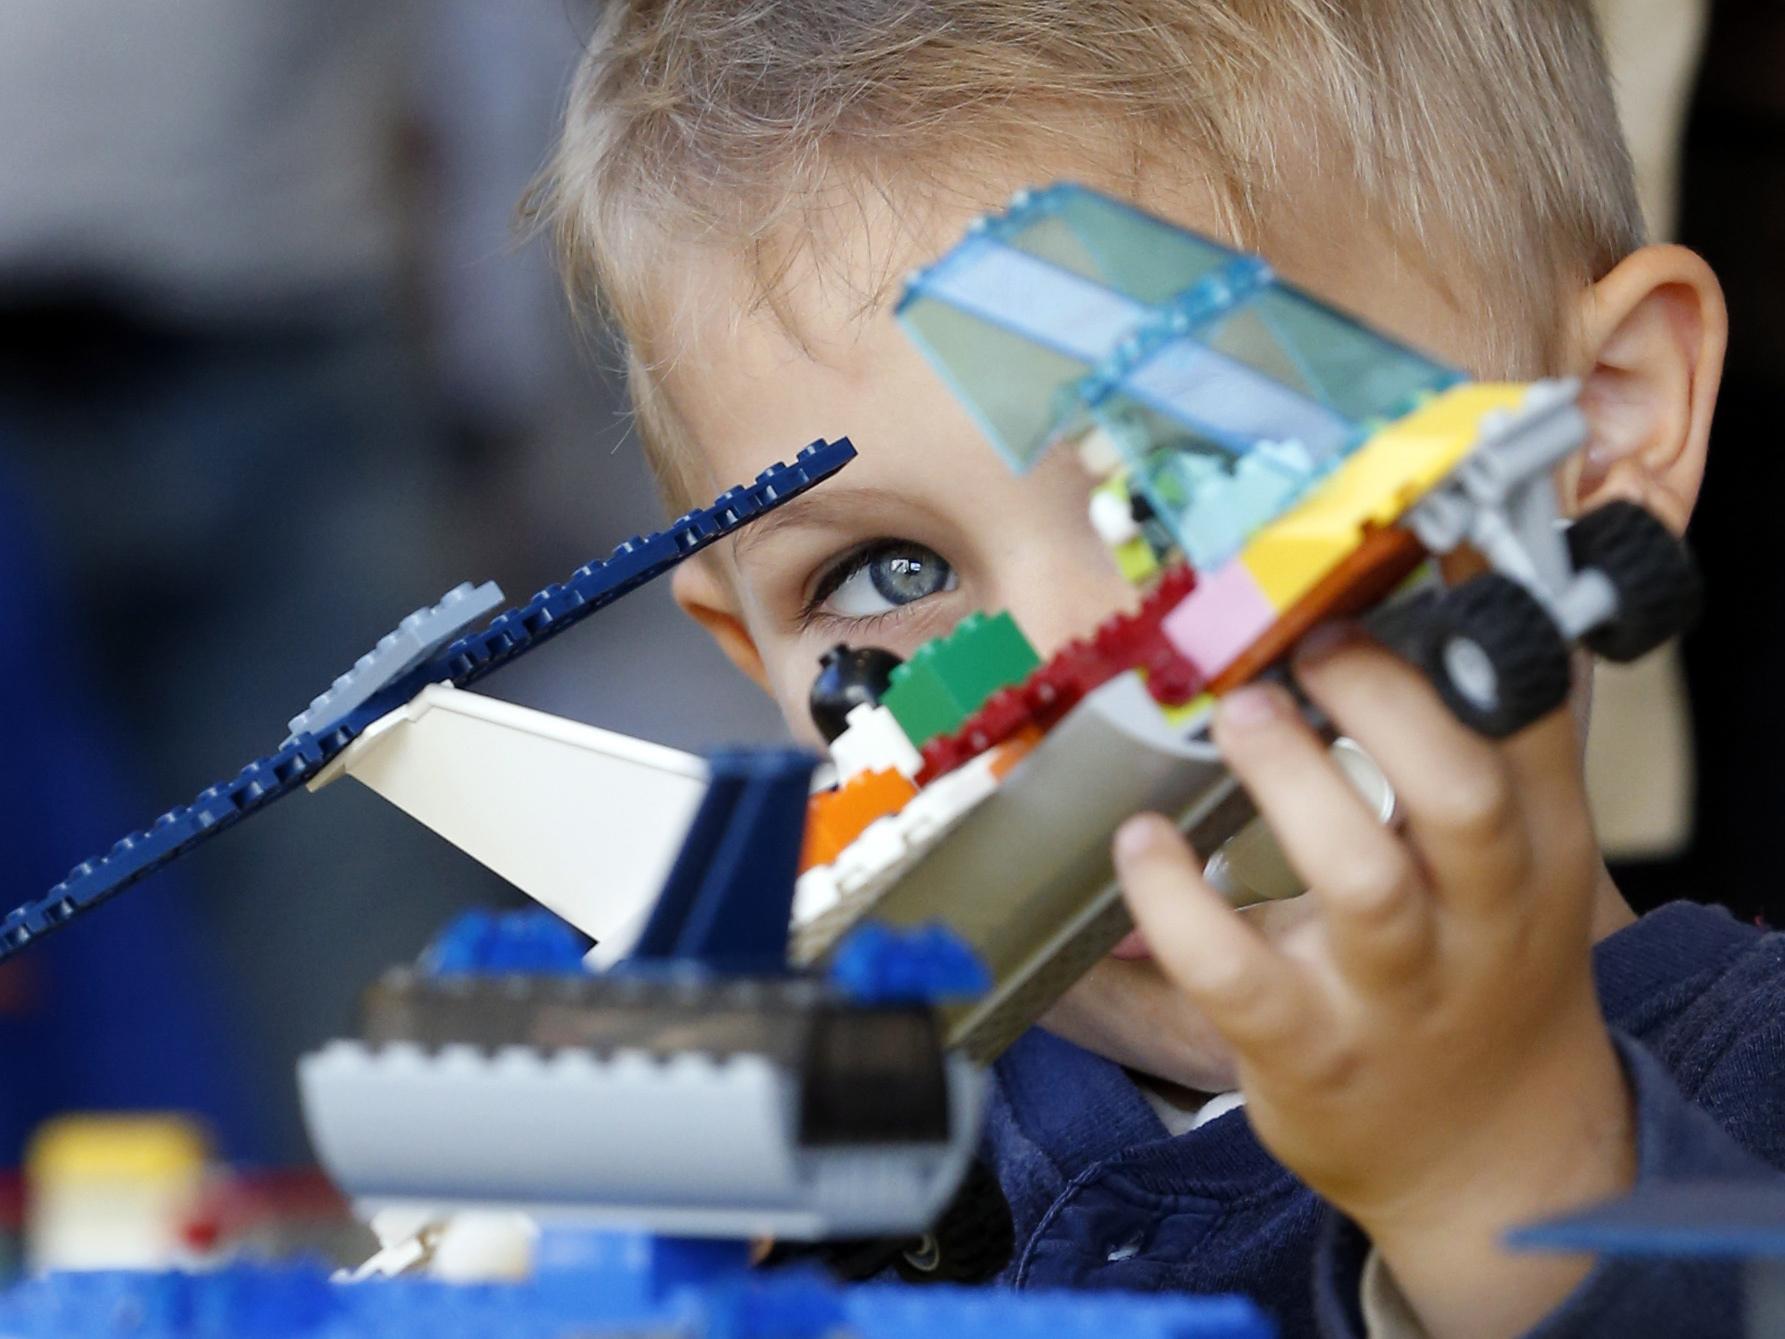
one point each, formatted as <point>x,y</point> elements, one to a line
<point>709,599</point>
<point>1653,335</point>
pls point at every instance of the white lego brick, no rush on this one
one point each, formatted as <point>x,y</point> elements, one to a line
<point>586,822</point>
<point>888,846</point>
<point>690,1145</point>
<point>874,742</point>
<point>814,893</point>
<point>482,1247</point>
<point>1098,454</point>
<point>1113,519</point>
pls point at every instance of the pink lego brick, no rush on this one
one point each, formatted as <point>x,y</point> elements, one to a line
<point>1224,615</point>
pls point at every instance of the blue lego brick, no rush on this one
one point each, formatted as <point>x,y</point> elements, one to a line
<point>729,895</point>
<point>173,834</point>
<point>468,659</point>
<point>889,1312</point>
<point>621,1296</point>
<point>1707,1219</point>
<point>882,964</point>
<point>634,1270</point>
<point>487,943</point>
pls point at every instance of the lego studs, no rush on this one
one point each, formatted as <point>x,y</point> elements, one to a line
<point>849,677</point>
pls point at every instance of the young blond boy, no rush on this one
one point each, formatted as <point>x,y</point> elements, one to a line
<point>1421,1040</point>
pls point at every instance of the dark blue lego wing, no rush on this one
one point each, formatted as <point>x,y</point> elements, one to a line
<point>468,659</point>
<point>729,895</point>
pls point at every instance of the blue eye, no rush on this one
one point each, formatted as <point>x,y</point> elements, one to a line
<point>886,577</point>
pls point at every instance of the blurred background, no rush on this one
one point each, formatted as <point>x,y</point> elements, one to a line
<point>275,370</point>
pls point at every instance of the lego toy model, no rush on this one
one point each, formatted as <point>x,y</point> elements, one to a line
<point>699,1088</point>
<point>1259,463</point>
<point>702,1087</point>
<point>432,648</point>
<point>1303,464</point>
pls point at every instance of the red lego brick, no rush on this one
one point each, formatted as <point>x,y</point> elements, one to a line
<point>1119,644</point>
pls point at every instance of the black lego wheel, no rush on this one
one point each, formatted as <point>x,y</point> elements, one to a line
<point>1496,656</point>
<point>1654,576</point>
<point>971,1242</point>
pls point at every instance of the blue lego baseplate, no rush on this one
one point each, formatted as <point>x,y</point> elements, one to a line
<point>299,1302</point>
<point>467,660</point>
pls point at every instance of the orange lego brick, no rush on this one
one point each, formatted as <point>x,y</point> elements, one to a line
<point>834,818</point>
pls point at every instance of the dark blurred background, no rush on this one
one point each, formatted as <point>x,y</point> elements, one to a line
<point>274,371</point>
<point>1732,210</point>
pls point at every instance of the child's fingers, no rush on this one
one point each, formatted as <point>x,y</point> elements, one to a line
<point>1248,990</point>
<point>1454,788</point>
<point>1372,896</point>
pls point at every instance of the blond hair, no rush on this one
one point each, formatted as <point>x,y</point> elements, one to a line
<point>1479,136</point>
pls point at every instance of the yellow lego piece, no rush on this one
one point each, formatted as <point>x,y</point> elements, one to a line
<point>1191,715</point>
<point>1134,557</point>
<point>1374,486</point>
<point>1135,561</point>
<point>100,1146</point>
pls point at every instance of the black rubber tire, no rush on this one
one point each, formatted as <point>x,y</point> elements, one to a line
<point>1656,580</point>
<point>973,1240</point>
<point>1495,625</point>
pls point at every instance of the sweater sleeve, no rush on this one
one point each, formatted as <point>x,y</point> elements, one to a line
<point>1676,1141</point>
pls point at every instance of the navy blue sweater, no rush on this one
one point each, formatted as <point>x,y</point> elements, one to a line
<point>1102,1197</point>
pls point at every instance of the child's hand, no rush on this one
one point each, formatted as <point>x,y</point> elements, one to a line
<point>1432,1059</point>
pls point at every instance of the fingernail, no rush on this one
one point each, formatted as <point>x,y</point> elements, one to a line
<point>1137,836</point>
<point>1250,707</point>
<point>1323,641</point>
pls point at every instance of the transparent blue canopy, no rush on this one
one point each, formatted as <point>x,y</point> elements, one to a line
<point>1226,390</point>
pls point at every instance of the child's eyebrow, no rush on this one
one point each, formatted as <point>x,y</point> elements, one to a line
<point>825,509</point>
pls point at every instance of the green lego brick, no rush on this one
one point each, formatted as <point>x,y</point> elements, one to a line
<point>983,654</point>
<point>919,701</point>
<point>948,679</point>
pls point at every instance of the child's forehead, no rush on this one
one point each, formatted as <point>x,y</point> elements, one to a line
<point>759,349</point>
<point>846,239</point>
<point>827,271</point>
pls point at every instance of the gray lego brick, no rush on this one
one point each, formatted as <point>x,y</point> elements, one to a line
<point>691,1145</point>
<point>413,640</point>
<point>861,1073</point>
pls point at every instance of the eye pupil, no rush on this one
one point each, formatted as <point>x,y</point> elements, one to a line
<point>904,577</point>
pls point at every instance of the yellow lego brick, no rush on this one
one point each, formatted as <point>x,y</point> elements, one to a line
<point>1135,561</point>
<point>1134,557</point>
<point>1189,716</point>
<point>99,1146</point>
<point>1379,481</point>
